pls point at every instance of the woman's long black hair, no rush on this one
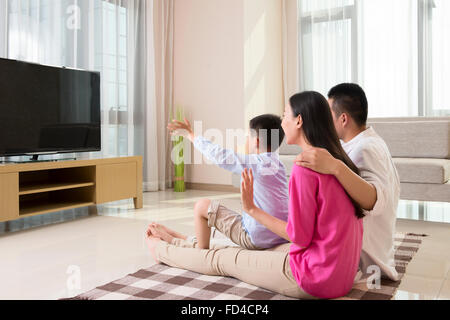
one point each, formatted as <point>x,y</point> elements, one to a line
<point>319,129</point>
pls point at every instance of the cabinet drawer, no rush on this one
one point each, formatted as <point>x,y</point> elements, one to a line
<point>9,196</point>
<point>116,182</point>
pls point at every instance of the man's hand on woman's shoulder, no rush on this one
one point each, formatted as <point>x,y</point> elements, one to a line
<point>318,160</point>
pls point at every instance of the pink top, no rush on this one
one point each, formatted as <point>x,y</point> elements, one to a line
<point>325,233</point>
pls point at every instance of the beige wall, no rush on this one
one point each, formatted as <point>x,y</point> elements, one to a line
<point>227,67</point>
<point>263,58</point>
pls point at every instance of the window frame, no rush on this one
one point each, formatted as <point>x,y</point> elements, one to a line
<point>425,67</point>
<point>425,53</point>
<point>350,12</point>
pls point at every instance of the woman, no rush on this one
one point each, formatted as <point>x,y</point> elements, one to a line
<point>324,227</point>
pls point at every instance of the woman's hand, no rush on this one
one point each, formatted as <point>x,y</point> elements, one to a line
<point>247,191</point>
<point>318,160</point>
<point>275,225</point>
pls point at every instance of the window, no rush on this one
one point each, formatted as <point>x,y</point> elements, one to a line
<point>395,49</point>
<point>111,60</point>
<point>321,28</point>
<point>40,31</point>
<point>440,53</point>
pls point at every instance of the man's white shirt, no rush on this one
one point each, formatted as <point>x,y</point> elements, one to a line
<point>371,155</point>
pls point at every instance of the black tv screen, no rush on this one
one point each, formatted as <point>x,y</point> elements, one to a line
<point>46,110</point>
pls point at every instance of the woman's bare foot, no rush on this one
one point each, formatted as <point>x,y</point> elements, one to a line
<point>152,242</point>
<point>159,231</point>
<point>148,233</point>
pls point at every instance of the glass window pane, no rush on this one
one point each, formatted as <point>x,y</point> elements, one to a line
<point>123,22</point>
<point>110,75</point>
<point>110,61</point>
<point>122,77</point>
<point>123,96</point>
<point>374,43</point>
<point>307,6</point>
<point>110,95</point>
<point>113,140</point>
<point>123,140</point>
<point>328,43</point>
<point>122,46</point>
<point>122,63</point>
<point>408,210</point>
<point>437,212</point>
<point>37,32</point>
<point>441,54</point>
<point>389,50</point>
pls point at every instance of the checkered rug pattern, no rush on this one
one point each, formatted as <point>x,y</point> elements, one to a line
<point>161,282</point>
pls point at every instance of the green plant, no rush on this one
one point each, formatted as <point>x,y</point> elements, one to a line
<point>178,144</point>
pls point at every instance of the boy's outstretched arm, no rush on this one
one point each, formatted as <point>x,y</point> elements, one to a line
<point>321,161</point>
<point>224,158</point>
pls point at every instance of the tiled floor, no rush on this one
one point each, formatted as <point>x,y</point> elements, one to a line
<point>41,257</point>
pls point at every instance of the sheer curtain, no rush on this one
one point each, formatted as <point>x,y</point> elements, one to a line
<point>394,49</point>
<point>438,59</point>
<point>290,48</point>
<point>124,41</point>
<point>388,62</point>
<point>326,29</point>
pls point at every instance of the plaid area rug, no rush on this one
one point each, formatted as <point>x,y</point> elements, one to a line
<point>161,282</point>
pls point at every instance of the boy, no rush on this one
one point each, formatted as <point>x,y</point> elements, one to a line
<point>378,191</point>
<point>270,188</point>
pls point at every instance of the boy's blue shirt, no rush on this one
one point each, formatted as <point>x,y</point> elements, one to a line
<point>270,189</point>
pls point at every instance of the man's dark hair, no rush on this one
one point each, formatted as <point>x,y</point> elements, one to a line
<point>268,126</point>
<point>350,98</point>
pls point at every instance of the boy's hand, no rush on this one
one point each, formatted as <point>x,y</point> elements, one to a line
<point>247,191</point>
<point>181,128</point>
<point>318,160</point>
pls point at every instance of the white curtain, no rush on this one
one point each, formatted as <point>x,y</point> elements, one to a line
<point>157,136</point>
<point>378,45</point>
<point>439,57</point>
<point>290,41</point>
<point>120,39</point>
<point>3,28</point>
<point>325,43</point>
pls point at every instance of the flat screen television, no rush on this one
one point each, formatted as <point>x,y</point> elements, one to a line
<point>48,110</point>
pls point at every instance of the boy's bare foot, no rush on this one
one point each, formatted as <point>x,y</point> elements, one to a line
<point>152,242</point>
<point>160,232</point>
<point>173,233</point>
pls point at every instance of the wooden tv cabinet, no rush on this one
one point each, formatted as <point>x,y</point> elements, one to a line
<point>36,188</point>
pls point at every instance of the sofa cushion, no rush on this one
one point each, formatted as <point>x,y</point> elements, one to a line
<point>415,139</point>
<point>435,171</point>
<point>425,192</point>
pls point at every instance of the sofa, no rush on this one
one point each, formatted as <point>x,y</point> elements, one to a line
<point>420,148</point>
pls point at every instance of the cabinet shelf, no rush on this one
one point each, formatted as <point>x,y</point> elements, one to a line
<point>32,188</point>
<point>31,208</point>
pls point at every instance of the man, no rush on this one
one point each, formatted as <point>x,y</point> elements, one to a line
<point>378,188</point>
